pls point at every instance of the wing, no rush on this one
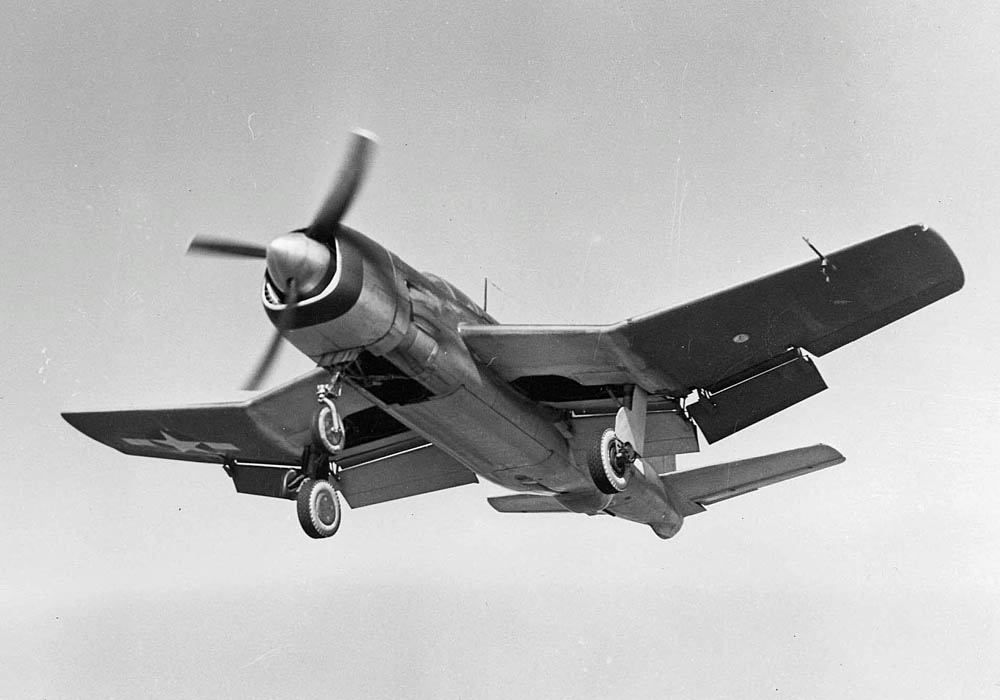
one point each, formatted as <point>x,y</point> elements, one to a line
<point>751,331</point>
<point>694,489</point>
<point>698,344</point>
<point>382,460</point>
<point>270,428</point>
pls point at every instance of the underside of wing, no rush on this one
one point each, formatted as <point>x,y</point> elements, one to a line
<point>740,348</point>
<point>262,439</point>
<point>271,428</point>
<point>810,306</point>
<point>694,489</point>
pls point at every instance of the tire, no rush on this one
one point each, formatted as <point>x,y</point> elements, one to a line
<point>610,475</point>
<point>318,507</point>
<point>326,427</point>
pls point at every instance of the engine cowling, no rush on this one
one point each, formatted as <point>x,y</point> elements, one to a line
<point>357,305</point>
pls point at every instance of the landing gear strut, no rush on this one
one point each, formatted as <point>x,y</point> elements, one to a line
<point>327,427</point>
<point>317,502</point>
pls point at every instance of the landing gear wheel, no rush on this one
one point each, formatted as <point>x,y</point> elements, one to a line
<point>608,462</point>
<point>318,507</point>
<point>327,428</point>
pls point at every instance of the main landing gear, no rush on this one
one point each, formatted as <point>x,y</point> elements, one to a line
<point>317,502</point>
<point>610,460</point>
<point>318,507</point>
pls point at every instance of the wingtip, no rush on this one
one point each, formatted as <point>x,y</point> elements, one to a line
<point>948,260</point>
<point>71,417</point>
<point>834,456</point>
<point>82,421</point>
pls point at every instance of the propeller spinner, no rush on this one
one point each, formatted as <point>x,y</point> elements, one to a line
<point>300,263</point>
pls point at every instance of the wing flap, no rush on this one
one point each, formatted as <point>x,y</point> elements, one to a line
<point>733,406</point>
<point>694,489</point>
<point>420,470</point>
<point>526,503</point>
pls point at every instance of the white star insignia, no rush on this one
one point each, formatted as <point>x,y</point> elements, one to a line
<point>182,446</point>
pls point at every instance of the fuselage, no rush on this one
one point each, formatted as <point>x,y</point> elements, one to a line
<point>399,330</point>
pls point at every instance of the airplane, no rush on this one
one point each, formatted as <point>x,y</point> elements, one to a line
<point>417,388</point>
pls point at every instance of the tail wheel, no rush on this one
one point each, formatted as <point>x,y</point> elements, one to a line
<point>318,507</point>
<point>608,463</point>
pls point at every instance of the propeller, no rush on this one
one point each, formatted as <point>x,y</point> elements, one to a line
<point>327,220</point>
<point>285,320</point>
<point>298,262</point>
<point>222,246</point>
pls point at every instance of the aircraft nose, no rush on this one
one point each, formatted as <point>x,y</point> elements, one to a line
<point>295,256</point>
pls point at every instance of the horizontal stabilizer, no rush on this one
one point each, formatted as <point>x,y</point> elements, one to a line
<point>696,488</point>
<point>526,503</point>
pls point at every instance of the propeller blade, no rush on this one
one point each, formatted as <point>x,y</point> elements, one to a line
<point>324,226</point>
<point>286,320</point>
<point>264,365</point>
<point>224,246</point>
<point>322,230</point>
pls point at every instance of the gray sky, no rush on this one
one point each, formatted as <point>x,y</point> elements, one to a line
<point>595,160</point>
